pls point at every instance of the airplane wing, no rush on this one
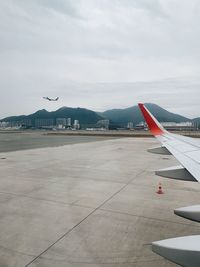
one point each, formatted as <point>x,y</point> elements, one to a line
<point>187,151</point>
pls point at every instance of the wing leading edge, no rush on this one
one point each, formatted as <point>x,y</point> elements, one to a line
<point>184,251</point>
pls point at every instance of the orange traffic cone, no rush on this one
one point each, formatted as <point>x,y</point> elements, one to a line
<point>160,190</point>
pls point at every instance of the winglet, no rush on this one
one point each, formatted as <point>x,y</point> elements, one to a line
<point>154,126</point>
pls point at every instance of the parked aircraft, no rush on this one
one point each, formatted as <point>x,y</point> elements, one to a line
<point>51,99</point>
<point>185,250</point>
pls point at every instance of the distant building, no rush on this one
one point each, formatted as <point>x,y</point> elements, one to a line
<point>4,124</point>
<point>44,123</point>
<point>141,126</point>
<point>26,123</point>
<point>103,124</point>
<point>76,125</point>
<point>130,125</point>
<point>11,124</point>
<point>68,122</point>
<point>61,123</point>
<point>180,126</point>
<point>60,127</point>
<point>14,124</point>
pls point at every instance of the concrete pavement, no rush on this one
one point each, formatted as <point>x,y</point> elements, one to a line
<point>90,204</point>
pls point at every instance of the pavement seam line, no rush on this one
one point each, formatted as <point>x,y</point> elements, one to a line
<point>70,230</point>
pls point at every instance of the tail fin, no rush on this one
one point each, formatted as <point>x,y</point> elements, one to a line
<point>154,126</point>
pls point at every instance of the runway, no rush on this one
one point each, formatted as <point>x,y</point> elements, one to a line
<point>89,204</point>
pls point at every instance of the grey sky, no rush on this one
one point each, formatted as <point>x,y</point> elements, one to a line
<point>99,54</point>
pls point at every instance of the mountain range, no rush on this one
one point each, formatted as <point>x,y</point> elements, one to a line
<point>133,114</point>
<point>85,116</point>
<point>117,117</point>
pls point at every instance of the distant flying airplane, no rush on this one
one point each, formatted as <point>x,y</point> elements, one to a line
<point>51,99</point>
<point>185,250</point>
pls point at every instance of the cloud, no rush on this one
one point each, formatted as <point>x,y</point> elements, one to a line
<point>61,6</point>
<point>49,47</point>
<point>154,8</point>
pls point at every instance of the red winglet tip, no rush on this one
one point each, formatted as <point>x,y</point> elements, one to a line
<point>154,126</point>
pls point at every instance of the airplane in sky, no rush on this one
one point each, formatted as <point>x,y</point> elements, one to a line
<point>185,250</point>
<point>51,99</point>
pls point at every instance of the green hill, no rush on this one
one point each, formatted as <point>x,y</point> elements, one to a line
<point>133,114</point>
<point>85,116</point>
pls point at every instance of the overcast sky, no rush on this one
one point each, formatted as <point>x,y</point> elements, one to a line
<point>99,54</point>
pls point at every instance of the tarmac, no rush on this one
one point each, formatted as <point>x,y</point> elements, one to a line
<point>89,204</point>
